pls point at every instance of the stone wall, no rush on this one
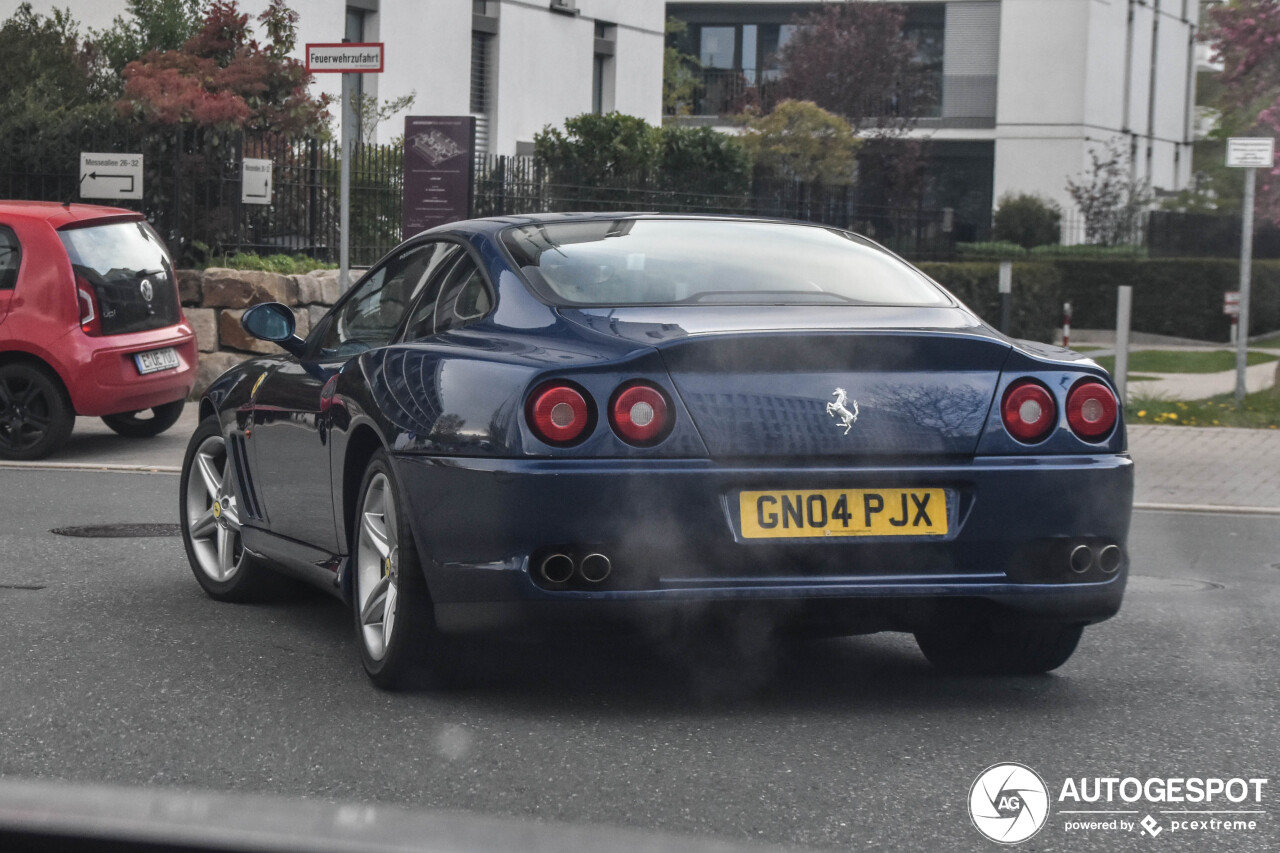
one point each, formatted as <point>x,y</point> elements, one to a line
<point>214,299</point>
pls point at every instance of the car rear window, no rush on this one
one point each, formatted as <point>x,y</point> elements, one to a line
<point>10,255</point>
<point>127,266</point>
<point>634,261</point>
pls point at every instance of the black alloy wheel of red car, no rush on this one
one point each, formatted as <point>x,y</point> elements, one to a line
<point>35,415</point>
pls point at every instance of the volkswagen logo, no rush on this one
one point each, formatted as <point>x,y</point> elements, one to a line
<point>147,290</point>
<point>1008,803</point>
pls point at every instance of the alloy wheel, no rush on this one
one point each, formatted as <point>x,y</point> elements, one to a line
<point>213,519</point>
<point>377,566</point>
<point>25,413</point>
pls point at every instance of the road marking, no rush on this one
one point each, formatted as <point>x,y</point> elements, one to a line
<point>92,466</point>
<point>1214,508</point>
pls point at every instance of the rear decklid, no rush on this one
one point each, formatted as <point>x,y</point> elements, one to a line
<point>843,382</point>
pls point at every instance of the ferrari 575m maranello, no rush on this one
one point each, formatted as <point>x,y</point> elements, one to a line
<point>595,419</point>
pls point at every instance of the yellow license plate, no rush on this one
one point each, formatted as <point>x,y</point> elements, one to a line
<point>843,512</point>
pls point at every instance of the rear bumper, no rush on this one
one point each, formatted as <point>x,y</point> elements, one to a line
<point>103,378</point>
<point>670,529</point>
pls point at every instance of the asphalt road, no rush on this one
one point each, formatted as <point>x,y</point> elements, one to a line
<point>114,667</point>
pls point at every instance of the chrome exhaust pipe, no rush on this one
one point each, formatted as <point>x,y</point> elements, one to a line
<point>595,568</point>
<point>1081,559</point>
<point>556,568</point>
<point>1109,559</point>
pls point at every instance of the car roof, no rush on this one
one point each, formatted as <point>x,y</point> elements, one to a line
<point>58,215</point>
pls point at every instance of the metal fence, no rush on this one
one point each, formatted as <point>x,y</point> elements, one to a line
<point>192,189</point>
<point>519,184</point>
<point>192,194</point>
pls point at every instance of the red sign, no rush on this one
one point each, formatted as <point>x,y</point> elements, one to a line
<point>345,58</point>
<point>1231,302</point>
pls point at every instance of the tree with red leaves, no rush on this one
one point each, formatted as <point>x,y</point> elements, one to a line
<point>223,78</point>
<point>851,58</point>
<point>1245,35</point>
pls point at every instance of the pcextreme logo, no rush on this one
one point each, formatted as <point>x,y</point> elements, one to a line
<point>1009,803</point>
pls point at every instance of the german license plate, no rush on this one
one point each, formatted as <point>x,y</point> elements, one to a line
<point>842,512</point>
<point>156,359</point>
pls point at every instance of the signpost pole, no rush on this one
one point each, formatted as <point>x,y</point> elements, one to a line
<point>344,190</point>
<point>1246,261</point>
<point>345,58</point>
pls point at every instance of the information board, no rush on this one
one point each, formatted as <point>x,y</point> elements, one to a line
<point>439,164</point>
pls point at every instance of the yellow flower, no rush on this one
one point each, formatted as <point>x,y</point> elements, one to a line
<point>1142,413</point>
<point>1173,416</point>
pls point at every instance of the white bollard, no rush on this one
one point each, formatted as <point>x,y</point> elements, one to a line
<point>1124,309</point>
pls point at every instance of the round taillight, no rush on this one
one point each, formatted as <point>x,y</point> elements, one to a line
<point>559,414</point>
<point>1028,411</point>
<point>640,415</point>
<point>1091,410</point>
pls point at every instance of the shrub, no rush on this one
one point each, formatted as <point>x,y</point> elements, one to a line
<point>283,264</point>
<point>992,249</point>
<point>1027,220</point>
<point>1180,297</point>
<point>1037,294</point>
<point>702,161</point>
<point>1088,250</point>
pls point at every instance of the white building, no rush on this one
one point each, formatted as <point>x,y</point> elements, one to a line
<point>1029,87</point>
<point>518,65</point>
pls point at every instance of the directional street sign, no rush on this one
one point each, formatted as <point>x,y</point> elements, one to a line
<point>344,58</point>
<point>255,181</point>
<point>1251,152</point>
<point>1231,303</point>
<point>116,176</point>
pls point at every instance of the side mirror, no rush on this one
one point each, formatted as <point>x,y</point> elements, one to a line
<point>271,321</point>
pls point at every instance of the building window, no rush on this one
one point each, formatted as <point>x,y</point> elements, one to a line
<point>484,32</point>
<point>602,68</point>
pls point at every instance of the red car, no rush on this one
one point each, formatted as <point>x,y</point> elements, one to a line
<point>90,324</point>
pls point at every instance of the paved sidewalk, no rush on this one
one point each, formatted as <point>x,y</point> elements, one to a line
<point>1199,386</point>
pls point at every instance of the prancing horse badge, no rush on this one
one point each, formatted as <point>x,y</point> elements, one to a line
<point>841,410</point>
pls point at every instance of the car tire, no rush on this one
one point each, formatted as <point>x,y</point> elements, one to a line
<point>130,425</point>
<point>979,650</point>
<point>222,566</point>
<point>394,617</point>
<point>36,417</point>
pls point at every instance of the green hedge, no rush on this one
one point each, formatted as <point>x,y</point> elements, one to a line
<point>1037,302</point>
<point>1182,298</point>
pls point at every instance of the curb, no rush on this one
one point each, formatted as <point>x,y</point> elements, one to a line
<point>90,466</point>
<point>1209,508</point>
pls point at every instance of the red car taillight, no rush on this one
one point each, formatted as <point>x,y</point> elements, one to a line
<point>90,313</point>
<point>1091,410</point>
<point>559,413</point>
<point>1028,411</point>
<point>640,415</point>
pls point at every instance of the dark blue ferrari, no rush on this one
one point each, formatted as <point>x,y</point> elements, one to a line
<point>602,419</point>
